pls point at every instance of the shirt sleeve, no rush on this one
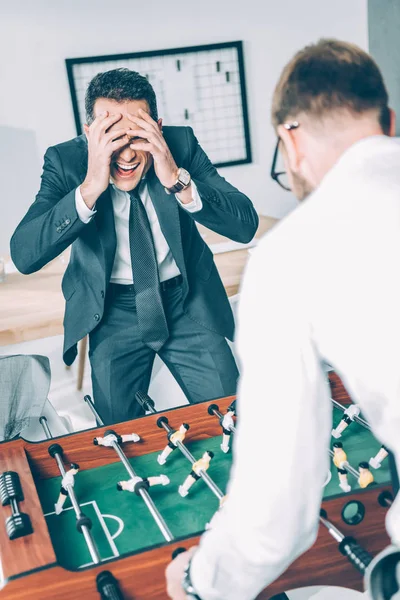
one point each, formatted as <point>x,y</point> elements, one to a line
<point>280,448</point>
<point>84,212</point>
<point>196,203</point>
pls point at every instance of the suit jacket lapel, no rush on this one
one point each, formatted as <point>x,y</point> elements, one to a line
<point>167,211</point>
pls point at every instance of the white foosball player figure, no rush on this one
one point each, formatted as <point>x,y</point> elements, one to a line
<point>227,422</point>
<point>173,439</point>
<point>137,483</point>
<point>376,461</point>
<point>67,480</point>
<point>339,460</point>
<point>352,411</point>
<point>200,465</point>
<point>108,439</point>
<point>366,476</point>
<point>217,514</point>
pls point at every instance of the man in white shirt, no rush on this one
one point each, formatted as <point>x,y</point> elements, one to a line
<point>322,287</point>
<point>141,280</point>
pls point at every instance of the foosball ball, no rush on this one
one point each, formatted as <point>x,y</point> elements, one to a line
<point>100,513</point>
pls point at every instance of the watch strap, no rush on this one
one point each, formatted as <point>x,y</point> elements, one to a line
<point>179,185</point>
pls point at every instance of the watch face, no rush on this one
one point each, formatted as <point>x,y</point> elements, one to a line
<point>183,177</point>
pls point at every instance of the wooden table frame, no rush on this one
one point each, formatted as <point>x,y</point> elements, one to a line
<point>30,563</point>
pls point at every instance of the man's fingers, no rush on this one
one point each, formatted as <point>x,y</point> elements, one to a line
<point>140,135</point>
<point>152,126</point>
<point>117,144</point>
<point>146,117</point>
<point>108,122</point>
<point>112,136</point>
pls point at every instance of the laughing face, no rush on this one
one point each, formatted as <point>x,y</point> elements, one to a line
<point>128,166</point>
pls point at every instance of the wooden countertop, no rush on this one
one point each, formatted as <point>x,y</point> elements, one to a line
<point>32,306</point>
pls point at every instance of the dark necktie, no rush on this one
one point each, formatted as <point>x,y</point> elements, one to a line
<point>149,306</point>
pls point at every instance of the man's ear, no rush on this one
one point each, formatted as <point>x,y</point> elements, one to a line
<point>392,129</point>
<point>159,123</point>
<point>291,154</point>
<point>86,130</point>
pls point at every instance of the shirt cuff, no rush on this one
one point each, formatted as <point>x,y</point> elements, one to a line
<point>84,212</point>
<point>196,203</point>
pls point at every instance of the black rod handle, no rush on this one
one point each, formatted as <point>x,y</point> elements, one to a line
<point>356,554</point>
<point>108,586</point>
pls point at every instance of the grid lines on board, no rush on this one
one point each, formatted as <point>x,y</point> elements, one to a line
<point>202,87</point>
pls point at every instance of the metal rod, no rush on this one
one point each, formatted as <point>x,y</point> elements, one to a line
<point>89,402</point>
<point>143,493</point>
<point>43,422</point>
<point>347,466</point>
<point>221,416</point>
<point>334,531</point>
<point>206,478</point>
<point>94,553</point>
<point>359,420</point>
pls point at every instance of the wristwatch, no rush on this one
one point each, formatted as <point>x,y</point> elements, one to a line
<point>182,182</point>
<point>187,585</point>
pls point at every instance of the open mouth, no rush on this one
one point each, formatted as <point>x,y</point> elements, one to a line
<point>123,170</point>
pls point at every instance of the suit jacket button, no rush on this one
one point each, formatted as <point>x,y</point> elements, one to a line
<point>59,229</point>
<point>97,317</point>
<point>68,221</point>
<point>102,293</point>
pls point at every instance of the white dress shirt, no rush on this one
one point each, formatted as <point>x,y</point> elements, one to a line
<point>122,268</point>
<point>323,286</point>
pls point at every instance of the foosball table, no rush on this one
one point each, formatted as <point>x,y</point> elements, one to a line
<point>100,513</point>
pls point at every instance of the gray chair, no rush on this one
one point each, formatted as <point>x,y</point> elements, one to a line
<point>24,388</point>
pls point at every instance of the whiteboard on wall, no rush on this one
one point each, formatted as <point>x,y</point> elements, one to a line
<point>200,86</point>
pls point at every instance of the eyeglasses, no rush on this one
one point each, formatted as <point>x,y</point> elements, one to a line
<point>281,177</point>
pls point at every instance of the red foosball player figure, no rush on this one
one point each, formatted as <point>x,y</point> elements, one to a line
<point>68,479</point>
<point>352,411</point>
<point>173,439</point>
<point>132,485</point>
<point>366,476</point>
<point>200,465</point>
<point>339,458</point>
<point>227,422</point>
<point>376,461</point>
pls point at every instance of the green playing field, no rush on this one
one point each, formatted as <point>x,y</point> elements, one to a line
<point>121,521</point>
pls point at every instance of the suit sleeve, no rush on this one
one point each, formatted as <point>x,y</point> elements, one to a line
<point>51,223</point>
<point>225,210</point>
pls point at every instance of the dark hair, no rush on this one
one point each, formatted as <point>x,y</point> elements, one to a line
<point>330,75</point>
<point>119,85</point>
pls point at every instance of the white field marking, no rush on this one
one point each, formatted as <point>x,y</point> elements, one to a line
<point>92,563</point>
<point>120,522</point>
<point>109,537</point>
<point>64,509</point>
<point>105,529</point>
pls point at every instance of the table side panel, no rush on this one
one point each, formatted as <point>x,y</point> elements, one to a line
<point>35,550</point>
<point>141,576</point>
<point>78,447</point>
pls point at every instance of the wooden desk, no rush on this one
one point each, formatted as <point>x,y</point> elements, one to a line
<point>32,306</point>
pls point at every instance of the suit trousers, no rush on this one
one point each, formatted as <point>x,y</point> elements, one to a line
<point>199,359</point>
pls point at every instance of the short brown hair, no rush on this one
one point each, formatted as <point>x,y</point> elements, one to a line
<point>328,76</point>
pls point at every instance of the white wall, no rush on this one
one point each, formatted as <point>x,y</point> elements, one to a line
<point>36,37</point>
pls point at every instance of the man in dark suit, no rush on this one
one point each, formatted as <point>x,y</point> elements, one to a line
<point>140,280</point>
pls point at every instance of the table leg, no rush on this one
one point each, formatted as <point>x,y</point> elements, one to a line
<point>81,362</point>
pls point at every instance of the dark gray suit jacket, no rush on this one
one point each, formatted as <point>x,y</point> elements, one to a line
<point>52,224</point>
